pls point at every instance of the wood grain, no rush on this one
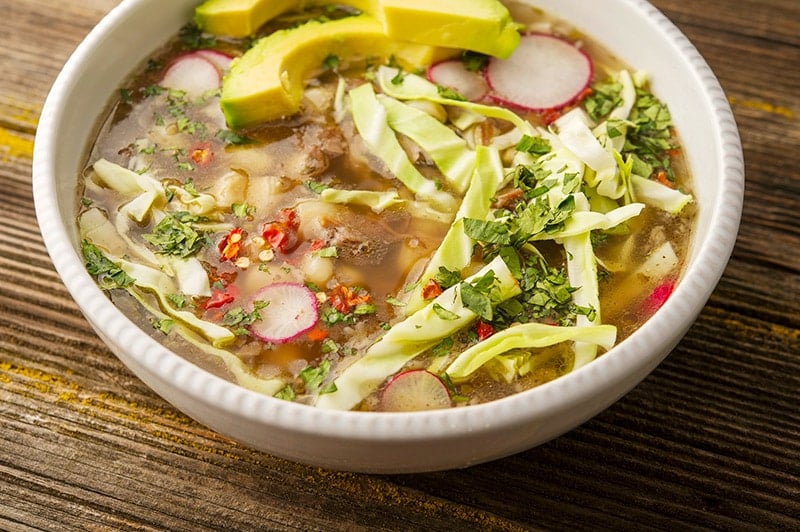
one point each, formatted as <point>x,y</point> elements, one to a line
<point>710,440</point>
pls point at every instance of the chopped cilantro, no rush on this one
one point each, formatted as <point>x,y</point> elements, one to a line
<point>477,301</point>
<point>330,316</point>
<point>474,61</point>
<point>174,235</point>
<point>109,275</point>
<point>391,300</point>
<point>189,187</point>
<point>443,313</point>
<point>533,145</point>
<point>286,393</point>
<point>650,136</point>
<point>329,346</point>
<point>239,319</point>
<point>164,325</point>
<point>331,62</point>
<point>243,210</point>
<point>152,90</point>
<point>193,37</point>
<point>315,186</point>
<point>364,308</point>
<point>179,300</point>
<point>125,95</point>
<point>604,98</point>
<point>489,231</point>
<point>446,278</point>
<point>443,348</point>
<point>450,94</point>
<point>314,376</point>
<point>328,252</point>
<point>234,139</point>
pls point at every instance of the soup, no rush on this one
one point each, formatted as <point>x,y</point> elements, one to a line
<point>403,236</point>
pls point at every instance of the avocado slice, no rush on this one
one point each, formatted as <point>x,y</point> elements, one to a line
<point>238,18</point>
<point>267,82</point>
<point>483,26</point>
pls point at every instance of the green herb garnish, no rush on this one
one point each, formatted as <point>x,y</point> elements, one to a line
<point>174,235</point>
<point>109,275</point>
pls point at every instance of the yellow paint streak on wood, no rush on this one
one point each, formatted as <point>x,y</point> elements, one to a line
<point>63,391</point>
<point>15,145</point>
<point>25,113</point>
<point>762,106</point>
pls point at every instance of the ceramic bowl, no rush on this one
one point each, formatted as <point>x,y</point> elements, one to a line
<point>397,442</point>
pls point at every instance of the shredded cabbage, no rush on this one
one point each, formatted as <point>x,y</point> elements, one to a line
<point>412,87</point>
<point>455,250</point>
<point>584,221</point>
<point>574,133</point>
<point>447,150</point>
<point>411,337</point>
<point>526,336</point>
<point>371,121</point>
<point>658,195</point>
<point>377,201</point>
<point>240,372</point>
<point>582,274</point>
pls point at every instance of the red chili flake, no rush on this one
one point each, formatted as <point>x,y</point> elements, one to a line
<point>280,236</point>
<point>289,218</point>
<point>224,278</point>
<point>484,330</point>
<point>282,233</point>
<point>661,177</point>
<point>431,289</point>
<point>584,94</point>
<point>344,300</point>
<point>316,244</point>
<point>550,115</point>
<point>317,334</point>
<point>201,154</point>
<point>221,297</point>
<point>231,245</point>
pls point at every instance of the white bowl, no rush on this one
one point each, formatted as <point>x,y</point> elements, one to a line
<point>397,442</point>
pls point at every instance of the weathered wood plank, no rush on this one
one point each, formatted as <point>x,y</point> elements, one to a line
<point>710,439</point>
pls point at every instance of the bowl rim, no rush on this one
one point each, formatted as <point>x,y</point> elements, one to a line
<point>561,394</point>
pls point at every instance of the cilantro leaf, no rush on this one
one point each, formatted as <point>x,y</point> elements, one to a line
<point>109,275</point>
<point>174,235</point>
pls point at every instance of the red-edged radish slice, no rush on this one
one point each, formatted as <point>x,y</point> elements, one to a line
<point>414,390</point>
<point>658,297</point>
<point>291,310</point>
<point>192,73</point>
<point>544,72</point>
<point>221,60</point>
<point>454,75</point>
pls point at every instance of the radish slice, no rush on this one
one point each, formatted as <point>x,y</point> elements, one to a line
<point>221,60</point>
<point>291,310</point>
<point>414,390</point>
<point>192,73</point>
<point>544,72</point>
<point>453,75</point>
<point>658,297</point>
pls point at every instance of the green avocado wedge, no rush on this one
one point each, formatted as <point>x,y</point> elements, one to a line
<point>267,82</point>
<point>483,26</point>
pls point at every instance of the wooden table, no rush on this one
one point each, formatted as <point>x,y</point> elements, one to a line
<point>710,439</point>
